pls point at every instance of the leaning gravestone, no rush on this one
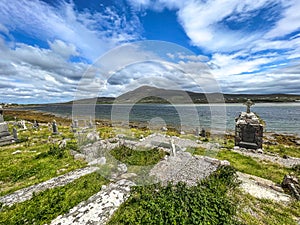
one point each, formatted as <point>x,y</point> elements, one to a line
<point>5,137</point>
<point>248,129</point>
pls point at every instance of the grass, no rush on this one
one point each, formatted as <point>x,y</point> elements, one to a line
<point>139,157</point>
<point>283,150</point>
<point>246,164</point>
<point>47,205</point>
<point>253,211</point>
<point>206,203</point>
<point>35,163</point>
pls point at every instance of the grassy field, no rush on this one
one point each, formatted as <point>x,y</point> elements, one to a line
<point>47,205</point>
<point>216,200</point>
<point>35,159</point>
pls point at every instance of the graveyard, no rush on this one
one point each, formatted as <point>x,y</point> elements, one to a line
<point>55,172</point>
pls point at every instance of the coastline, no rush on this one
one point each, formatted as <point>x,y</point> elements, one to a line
<point>48,117</point>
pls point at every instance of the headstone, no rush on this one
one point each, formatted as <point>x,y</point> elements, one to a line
<point>248,129</point>
<point>90,124</point>
<point>197,132</point>
<point>35,125</point>
<point>75,123</point>
<point>23,125</point>
<point>15,134</point>
<point>5,137</point>
<point>203,133</point>
<point>54,127</point>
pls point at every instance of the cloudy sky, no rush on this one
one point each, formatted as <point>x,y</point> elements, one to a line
<point>46,46</point>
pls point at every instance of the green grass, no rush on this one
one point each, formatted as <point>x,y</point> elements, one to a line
<point>206,203</point>
<point>283,150</point>
<point>253,211</point>
<point>47,205</point>
<point>139,157</point>
<point>246,164</point>
<point>35,163</point>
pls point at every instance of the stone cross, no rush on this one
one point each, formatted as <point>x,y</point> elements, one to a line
<point>249,103</point>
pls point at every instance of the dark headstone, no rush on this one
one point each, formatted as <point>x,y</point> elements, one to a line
<point>15,134</point>
<point>203,133</point>
<point>248,129</point>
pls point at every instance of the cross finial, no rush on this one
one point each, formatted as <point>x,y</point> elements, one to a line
<point>249,103</point>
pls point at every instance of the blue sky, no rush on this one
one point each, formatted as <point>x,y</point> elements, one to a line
<point>47,46</point>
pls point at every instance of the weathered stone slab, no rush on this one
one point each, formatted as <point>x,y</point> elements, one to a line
<point>99,208</point>
<point>26,193</point>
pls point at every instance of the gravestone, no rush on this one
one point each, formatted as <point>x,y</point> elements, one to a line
<point>248,129</point>
<point>15,134</point>
<point>197,132</point>
<point>35,125</point>
<point>23,125</point>
<point>5,137</point>
<point>75,124</point>
<point>54,127</point>
<point>203,133</point>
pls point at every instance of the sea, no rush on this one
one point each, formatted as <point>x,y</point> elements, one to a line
<point>278,117</point>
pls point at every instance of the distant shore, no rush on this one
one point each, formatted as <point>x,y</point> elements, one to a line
<point>48,117</point>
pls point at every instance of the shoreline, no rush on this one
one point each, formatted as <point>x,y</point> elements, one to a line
<point>46,117</point>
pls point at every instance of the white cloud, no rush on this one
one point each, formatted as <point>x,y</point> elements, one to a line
<point>91,33</point>
<point>290,21</point>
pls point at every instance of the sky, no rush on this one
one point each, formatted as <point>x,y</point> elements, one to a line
<point>47,46</point>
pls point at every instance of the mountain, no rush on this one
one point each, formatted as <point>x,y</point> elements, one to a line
<point>148,94</point>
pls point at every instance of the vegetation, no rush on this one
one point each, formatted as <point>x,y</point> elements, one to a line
<point>47,205</point>
<point>253,211</point>
<point>140,157</point>
<point>34,159</point>
<point>206,203</point>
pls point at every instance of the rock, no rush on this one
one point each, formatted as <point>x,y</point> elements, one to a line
<point>128,175</point>
<point>225,163</point>
<point>93,136</point>
<point>79,156</point>
<point>99,161</point>
<point>260,151</point>
<point>164,129</point>
<point>236,148</point>
<point>16,152</point>
<point>182,132</point>
<point>122,168</point>
<point>292,183</point>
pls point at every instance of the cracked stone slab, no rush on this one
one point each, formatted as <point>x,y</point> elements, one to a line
<point>27,193</point>
<point>99,208</point>
<point>186,168</point>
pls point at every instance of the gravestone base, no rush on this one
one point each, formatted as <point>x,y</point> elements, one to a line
<point>248,131</point>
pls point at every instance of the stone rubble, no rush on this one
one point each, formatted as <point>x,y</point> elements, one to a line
<point>27,193</point>
<point>99,208</point>
<point>185,168</point>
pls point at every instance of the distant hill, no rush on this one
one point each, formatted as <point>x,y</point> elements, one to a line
<point>147,94</point>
